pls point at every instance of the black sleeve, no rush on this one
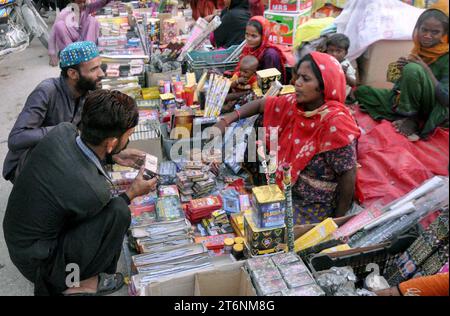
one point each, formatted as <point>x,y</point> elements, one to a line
<point>125,197</point>
<point>109,160</point>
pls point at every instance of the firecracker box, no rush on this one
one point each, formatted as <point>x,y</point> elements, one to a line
<point>266,77</point>
<point>262,241</point>
<point>203,208</point>
<point>290,5</point>
<point>283,26</point>
<point>270,204</point>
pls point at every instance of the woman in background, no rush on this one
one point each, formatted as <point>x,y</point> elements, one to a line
<point>418,103</point>
<point>234,18</point>
<point>257,35</point>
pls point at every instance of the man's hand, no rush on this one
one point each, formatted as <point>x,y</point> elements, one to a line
<point>53,60</point>
<point>140,186</point>
<point>130,157</point>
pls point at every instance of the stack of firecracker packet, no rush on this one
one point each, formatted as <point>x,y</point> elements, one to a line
<point>195,180</point>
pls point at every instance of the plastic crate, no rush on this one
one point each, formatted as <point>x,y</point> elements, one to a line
<point>199,61</point>
<point>182,143</point>
<point>383,256</point>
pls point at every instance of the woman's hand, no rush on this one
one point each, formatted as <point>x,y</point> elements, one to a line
<point>140,186</point>
<point>221,125</point>
<point>413,58</point>
<point>346,189</point>
<point>209,18</point>
<point>401,62</point>
<point>130,157</point>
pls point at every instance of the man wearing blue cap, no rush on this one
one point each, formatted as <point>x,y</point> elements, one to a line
<point>54,101</point>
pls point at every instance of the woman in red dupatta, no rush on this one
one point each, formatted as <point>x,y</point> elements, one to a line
<point>257,36</point>
<point>316,136</point>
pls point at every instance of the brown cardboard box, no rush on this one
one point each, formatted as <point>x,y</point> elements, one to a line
<point>235,282</point>
<point>154,78</point>
<point>184,284</point>
<point>374,63</point>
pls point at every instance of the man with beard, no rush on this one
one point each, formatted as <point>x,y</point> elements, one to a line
<point>54,101</point>
<point>62,225</point>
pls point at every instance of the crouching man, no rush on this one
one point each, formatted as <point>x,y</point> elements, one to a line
<point>61,218</point>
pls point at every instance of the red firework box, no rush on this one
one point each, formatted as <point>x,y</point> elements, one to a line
<point>294,6</point>
<point>214,242</point>
<point>203,208</point>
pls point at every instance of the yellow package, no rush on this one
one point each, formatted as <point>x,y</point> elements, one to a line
<point>151,93</point>
<point>311,30</point>
<point>343,247</point>
<point>316,235</point>
<point>287,90</point>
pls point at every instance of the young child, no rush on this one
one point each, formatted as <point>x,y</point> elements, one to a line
<point>245,78</point>
<point>244,84</point>
<point>337,46</point>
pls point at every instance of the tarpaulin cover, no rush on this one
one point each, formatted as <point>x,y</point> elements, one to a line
<point>391,165</point>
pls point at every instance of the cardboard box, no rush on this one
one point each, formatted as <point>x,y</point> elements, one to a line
<point>154,78</point>
<point>283,26</point>
<point>234,282</point>
<point>373,65</point>
<point>290,5</point>
<point>184,284</point>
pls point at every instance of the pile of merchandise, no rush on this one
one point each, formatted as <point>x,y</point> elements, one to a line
<point>202,212</point>
<point>282,275</point>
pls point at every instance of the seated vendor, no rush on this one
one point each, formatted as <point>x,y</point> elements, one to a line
<point>257,44</point>
<point>418,103</point>
<point>316,136</point>
<point>61,222</point>
<point>244,83</point>
<point>69,28</point>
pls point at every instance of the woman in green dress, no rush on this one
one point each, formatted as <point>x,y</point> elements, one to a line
<point>418,103</point>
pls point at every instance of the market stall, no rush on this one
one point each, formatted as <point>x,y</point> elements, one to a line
<point>208,223</point>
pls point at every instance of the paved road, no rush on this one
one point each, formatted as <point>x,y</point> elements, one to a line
<point>19,74</point>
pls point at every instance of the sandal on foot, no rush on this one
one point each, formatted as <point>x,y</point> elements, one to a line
<point>107,284</point>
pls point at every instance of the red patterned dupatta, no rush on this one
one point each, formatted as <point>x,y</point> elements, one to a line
<point>265,44</point>
<point>304,134</point>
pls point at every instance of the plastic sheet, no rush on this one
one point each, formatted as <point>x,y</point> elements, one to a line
<point>391,165</point>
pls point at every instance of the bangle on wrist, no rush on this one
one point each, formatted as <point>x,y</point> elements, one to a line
<point>238,114</point>
<point>225,120</point>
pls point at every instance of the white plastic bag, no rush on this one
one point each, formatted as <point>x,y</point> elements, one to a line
<point>368,21</point>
